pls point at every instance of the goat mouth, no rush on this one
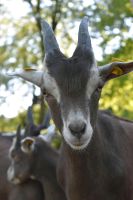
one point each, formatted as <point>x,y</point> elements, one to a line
<point>15,181</point>
<point>78,145</point>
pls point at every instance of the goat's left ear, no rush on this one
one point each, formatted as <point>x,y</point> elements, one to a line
<point>28,145</point>
<point>114,70</point>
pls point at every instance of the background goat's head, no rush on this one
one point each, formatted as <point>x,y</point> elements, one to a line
<point>75,83</point>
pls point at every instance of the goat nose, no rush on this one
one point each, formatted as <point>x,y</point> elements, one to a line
<point>77,129</point>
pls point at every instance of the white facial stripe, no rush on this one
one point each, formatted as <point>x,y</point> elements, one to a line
<point>11,176</point>
<point>50,84</point>
<point>10,173</point>
<point>12,146</point>
<point>93,81</point>
<point>45,69</point>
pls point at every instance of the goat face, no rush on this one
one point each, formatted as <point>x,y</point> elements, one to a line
<point>21,163</point>
<point>74,83</point>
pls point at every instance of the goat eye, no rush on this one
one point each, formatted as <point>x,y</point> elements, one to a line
<point>44,92</point>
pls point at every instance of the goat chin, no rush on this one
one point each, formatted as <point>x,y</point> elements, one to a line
<point>78,146</point>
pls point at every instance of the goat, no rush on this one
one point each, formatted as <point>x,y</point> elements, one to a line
<point>33,158</point>
<point>29,190</point>
<point>96,157</point>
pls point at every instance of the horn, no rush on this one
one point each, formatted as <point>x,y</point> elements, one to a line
<point>49,40</point>
<point>18,136</point>
<point>29,122</point>
<point>31,129</point>
<point>46,122</point>
<point>47,118</point>
<point>84,40</point>
<point>30,119</point>
<point>31,75</point>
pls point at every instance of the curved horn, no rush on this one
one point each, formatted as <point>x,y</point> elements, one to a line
<point>31,129</point>
<point>30,119</point>
<point>29,122</point>
<point>84,40</point>
<point>46,122</point>
<point>18,136</point>
<point>50,42</point>
<point>47,118</point>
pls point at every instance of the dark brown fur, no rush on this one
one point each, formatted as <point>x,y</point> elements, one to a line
<point>30,190</point>
<point>104,169</point>
<point>39,163</point>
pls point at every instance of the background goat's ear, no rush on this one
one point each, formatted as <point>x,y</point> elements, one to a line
<point>114,70</point>
<point>28,145</point>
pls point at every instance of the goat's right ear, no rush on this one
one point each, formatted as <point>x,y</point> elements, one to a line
<point>114,70</point>
<point>28,145</point>
<point>30,75</point>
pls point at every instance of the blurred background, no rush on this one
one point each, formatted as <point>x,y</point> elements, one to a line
<point>111,30</point>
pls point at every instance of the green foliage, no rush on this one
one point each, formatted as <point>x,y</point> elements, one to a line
<point>117,95</point>
<point>10,125</point>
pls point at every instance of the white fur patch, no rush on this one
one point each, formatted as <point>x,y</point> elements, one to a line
<point>50,84</point>
<point>73,141</point>
<point>11,176</point>
<point>12,146</point>
<point>93,81</point>
<point>50,135</point>
<point>10,173</point>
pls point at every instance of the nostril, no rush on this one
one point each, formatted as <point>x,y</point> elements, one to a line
<point>83,128</point>
<point>77,128</point>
